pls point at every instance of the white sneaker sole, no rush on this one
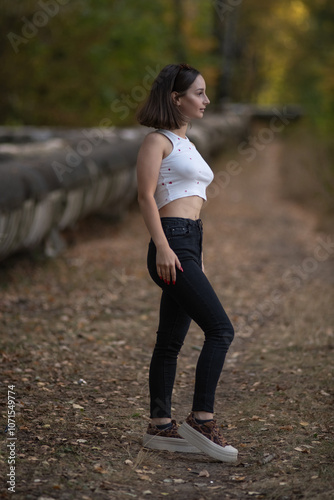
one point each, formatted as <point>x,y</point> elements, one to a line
<point>168,444</point>
<point>223,453</point>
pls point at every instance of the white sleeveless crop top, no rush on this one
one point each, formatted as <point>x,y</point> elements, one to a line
<point>182,173</point>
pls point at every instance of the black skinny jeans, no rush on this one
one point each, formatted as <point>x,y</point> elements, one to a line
<point>192,297</point>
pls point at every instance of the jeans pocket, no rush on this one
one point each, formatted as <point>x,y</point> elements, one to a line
<point>176,232</point>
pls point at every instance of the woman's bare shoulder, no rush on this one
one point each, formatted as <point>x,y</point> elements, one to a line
<point>154,137</point>
<point>156,141</point>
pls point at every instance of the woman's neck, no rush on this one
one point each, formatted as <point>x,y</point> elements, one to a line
<point>182,131</point>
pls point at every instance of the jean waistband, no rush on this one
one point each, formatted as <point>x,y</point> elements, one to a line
<point>180,221</point>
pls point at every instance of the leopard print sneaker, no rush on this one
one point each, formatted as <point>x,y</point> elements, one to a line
<point>208,439</point>
<point>167,439</point>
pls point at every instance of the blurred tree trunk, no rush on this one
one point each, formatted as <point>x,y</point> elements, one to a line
<point>178,42</point>
<point>226,18</point>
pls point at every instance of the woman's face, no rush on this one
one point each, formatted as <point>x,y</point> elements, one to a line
<point>195,100</point>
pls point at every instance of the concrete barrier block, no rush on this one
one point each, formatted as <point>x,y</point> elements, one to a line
<point>51,178</point>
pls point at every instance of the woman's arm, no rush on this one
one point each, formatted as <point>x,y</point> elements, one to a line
<point>148,166</point>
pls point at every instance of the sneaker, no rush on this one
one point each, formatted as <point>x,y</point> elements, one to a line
<point>167,439</point>
<point>208,439</point>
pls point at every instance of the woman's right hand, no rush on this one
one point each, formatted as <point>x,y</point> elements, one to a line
<point>167,263</point>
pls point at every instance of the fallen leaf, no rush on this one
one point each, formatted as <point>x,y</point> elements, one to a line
<point>100,400</point>
<point>104,485</point>
<point>286,428</point>
<point>139,471</point>
<point>281,387</point>
<point>268,458</point>
<point>304,424</point>
<point>98,468</point>
<point>204,473</point>
<point>77,407</point>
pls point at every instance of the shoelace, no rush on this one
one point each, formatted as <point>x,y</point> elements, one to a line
<point>216,433</point>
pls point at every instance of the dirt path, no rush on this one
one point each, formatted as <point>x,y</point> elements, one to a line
<point>78,332</point>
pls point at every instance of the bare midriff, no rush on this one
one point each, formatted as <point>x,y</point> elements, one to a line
<point>186,208</point>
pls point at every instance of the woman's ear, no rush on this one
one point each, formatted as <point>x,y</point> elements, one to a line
<point>176,98</point>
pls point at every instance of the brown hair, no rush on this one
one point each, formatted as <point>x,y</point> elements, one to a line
<point>159,111</point>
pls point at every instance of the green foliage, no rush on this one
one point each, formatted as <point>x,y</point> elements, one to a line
<point>310,66</point>
<point>74,67</point>
<point>89,62</point>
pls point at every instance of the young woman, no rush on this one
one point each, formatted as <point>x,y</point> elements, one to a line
<point>172,181</point>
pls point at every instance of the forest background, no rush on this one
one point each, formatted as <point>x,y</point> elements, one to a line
<point>80,327</point>
<point>81,63</point>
